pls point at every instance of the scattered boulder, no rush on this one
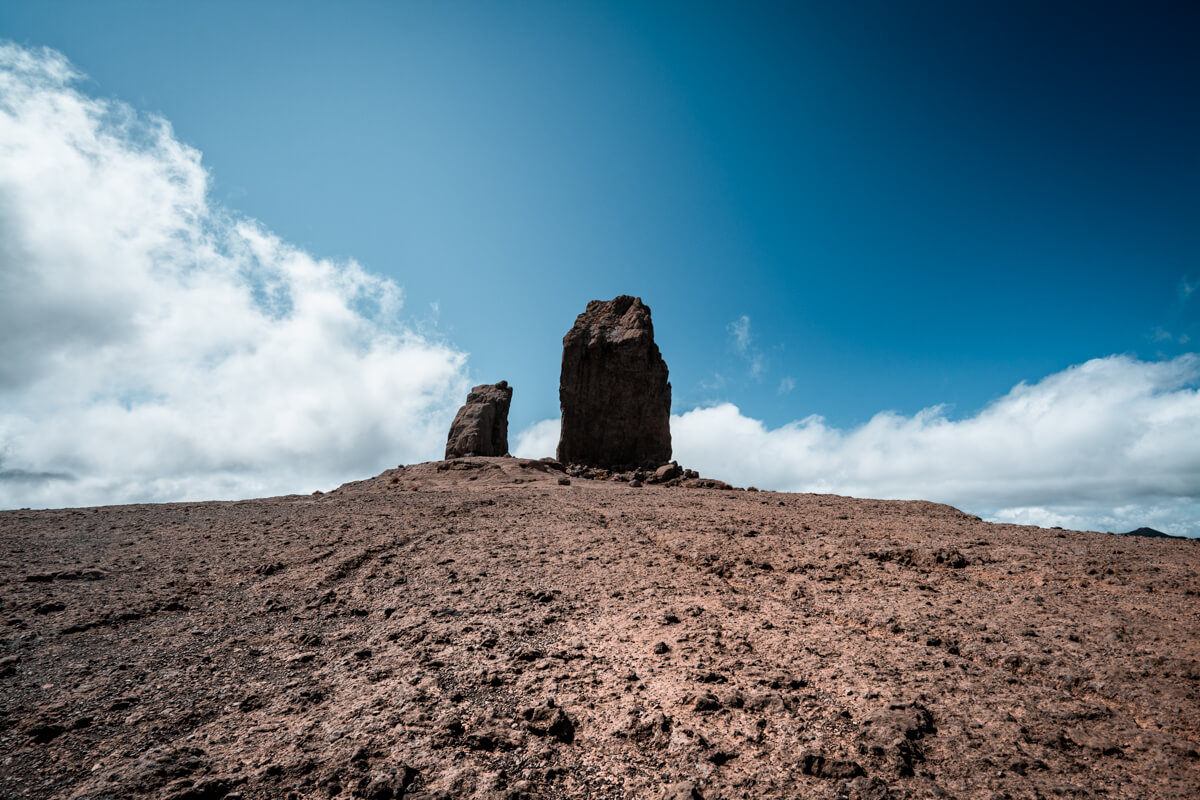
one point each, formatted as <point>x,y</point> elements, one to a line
<point>768,702</point>
<point>706,483</point>
<point>480,427</point>
<point>614,393</point>
<point>667,472</point>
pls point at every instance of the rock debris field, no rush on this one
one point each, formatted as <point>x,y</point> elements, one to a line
<point>492,628</point>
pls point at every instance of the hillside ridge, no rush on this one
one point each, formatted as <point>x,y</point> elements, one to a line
<point>492,628</point>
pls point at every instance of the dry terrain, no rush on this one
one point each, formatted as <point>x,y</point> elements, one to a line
<point>478,629</point>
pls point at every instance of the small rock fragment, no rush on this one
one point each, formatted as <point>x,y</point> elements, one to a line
<point>205,789</point>
<point>819,766</point>
<point>549,720</point>
<point>390,785</point>
<point>45,732</point>
<point>894,733</point>
<point>685,790</point>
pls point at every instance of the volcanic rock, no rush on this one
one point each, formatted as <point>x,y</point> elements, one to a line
<point>614,394</point>
<point>893,734</point>
<point>549,720</point>
<point>1057,664</point>
<point>684,790</point>
<point>480,427</point>
<point>819,766</point>
<point>667,472</point>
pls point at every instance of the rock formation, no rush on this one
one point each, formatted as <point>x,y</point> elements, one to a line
<point>481,426</point>
<point>614,394</point>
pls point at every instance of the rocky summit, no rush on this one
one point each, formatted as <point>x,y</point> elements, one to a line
<point>495,629</point>
<point>480,427</point>
<point>613,390</point>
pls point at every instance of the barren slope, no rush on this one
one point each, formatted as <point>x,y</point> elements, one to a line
<point>475,629</point>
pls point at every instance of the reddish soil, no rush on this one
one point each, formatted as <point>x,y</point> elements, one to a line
<point>475,629</point>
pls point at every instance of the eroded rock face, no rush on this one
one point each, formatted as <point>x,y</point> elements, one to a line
<point>480,427</point>
<point>614,393</point>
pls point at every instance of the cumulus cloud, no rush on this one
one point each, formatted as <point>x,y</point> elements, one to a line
<point>1106,445</point>
<point>539,440</point>
<point>155,346</point>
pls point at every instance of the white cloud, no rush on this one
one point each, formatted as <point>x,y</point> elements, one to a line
<point>1107,443</point>
<point>1163,335</point>
<point>786,385</point>
<point>1111,444</point>
<point>1176,517</point>
<point>153,346</point>
<point>539,440</point>
<point>739,329</point>
<point>743,345</point>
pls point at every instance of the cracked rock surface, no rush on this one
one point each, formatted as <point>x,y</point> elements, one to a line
<point>477,629</point>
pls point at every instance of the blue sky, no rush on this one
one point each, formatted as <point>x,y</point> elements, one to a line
<point>833,209</point>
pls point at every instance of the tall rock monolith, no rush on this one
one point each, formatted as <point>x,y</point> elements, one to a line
<point>480,427</point>
<point>614,393</point>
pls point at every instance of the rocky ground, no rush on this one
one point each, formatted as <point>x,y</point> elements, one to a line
<point>489,628</point>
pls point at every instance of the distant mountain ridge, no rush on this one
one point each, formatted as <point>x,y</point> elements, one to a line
<point>1150,533</point>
